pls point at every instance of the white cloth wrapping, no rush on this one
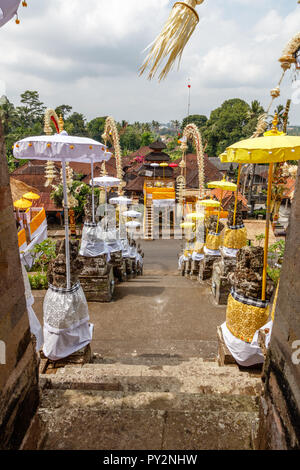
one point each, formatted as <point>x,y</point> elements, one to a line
<point>114,245</point>
<point>246,354</point>
<point>27,258</point>
<point>125,247</point>
<point>91,245</point>
<point>163,202</point>
<point>211,252</point>
<point>232,252</point>
<point>197,256</point>
<point>34,324</point>
<point>181,260</point>
<point>66,322</point>
<point>140,259</point>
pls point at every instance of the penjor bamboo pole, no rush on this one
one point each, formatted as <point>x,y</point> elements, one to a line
<point>237,193</point>
<point>267,231</point>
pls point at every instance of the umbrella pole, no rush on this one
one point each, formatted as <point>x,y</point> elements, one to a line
<point>267,230</point>
<point>67,247</point>
<point>236,193</point>
<point>93,192</point>
<point>219,213</point>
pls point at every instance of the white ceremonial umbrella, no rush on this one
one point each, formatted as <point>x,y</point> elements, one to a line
<point>133,214</point>
<point>154,165</point>
<point>93,160</point>
<point>106,182</point>
<point>120,200</point>
<point>131,226</point>
<point>64,148</point>
<point>8,9</point>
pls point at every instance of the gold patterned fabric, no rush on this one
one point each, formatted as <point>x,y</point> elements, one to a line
<point>199,247</point>
<point>235,238</point>
<point>213,241</point>
<point>244,320</point>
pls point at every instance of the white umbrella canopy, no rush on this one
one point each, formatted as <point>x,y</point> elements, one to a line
<point>120,200</point>
<point>106,181</point>
<point>132,224</point>
<point>65,148</point>
<point>8,9</point>
<point>133,214</point>
<point>61,147</point>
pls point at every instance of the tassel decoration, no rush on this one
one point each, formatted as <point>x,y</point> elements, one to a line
<point>170,43</point>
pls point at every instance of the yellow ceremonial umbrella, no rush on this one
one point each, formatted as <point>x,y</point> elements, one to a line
<point>224,186</point>
<point>273,147</point>
<point>195,216</point>
<point>31,196</point>
<point>163,165</point>
<point>22,204</point>
<point>209,203</point>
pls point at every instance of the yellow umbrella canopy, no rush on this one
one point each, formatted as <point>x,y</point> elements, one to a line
<point>273,147</point>
<point>31,196</point>
<point>209,203</point>
<point>163,164</point>
<point>195,216</point>
<point>22,204</point>
<point>188,225</point>
<point>223,184</point>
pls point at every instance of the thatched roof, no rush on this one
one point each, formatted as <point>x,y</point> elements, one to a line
<point>18,188</point>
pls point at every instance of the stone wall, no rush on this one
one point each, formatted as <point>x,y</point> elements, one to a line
<point>19,394</point>
<point>280,404</point>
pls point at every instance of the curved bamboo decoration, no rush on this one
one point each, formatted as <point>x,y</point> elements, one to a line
<point>111,132</point>
<point>191,131</point>
<point>51,118</point>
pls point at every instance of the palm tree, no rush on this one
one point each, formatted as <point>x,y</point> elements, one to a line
<point>256,109</point>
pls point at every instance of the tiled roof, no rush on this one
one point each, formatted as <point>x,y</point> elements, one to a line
<point>228,196</point>
<point>136,184</point>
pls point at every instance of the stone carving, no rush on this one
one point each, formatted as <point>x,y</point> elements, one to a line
<point>239,214</point>
<point>211,224</point>
<point>247,277</point>
<point>88,209</point>
<point>56,274</point>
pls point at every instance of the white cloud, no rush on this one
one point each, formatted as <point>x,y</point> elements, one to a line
<point>87,54</point>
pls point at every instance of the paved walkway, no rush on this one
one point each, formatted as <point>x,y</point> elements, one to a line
<point>160,313</point>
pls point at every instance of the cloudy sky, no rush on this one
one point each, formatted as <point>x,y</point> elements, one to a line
<point>87,54</point>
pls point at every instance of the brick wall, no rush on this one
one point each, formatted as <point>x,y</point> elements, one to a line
<point>280,404</point>
<point>19,395</point>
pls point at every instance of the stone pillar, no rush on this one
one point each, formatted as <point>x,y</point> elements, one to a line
<point>280,403</point>
<point>19,393</point>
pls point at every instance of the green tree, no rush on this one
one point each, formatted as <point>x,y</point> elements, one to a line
<point>75,125</point>
<point>226,125</point>
<point>199,119</point>
<point>96,128</point>
<point>32,109</point>
<point>146,139</point>
<point>63,110</point>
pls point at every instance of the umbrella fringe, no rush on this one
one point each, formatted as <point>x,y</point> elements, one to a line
<point>172,40</point>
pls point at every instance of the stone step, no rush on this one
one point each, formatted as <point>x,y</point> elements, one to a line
<point>193,375</point>
<point>118,421</point>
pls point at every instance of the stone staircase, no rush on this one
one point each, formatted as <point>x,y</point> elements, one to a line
<point>151,403</point>
<point>148,223</point>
